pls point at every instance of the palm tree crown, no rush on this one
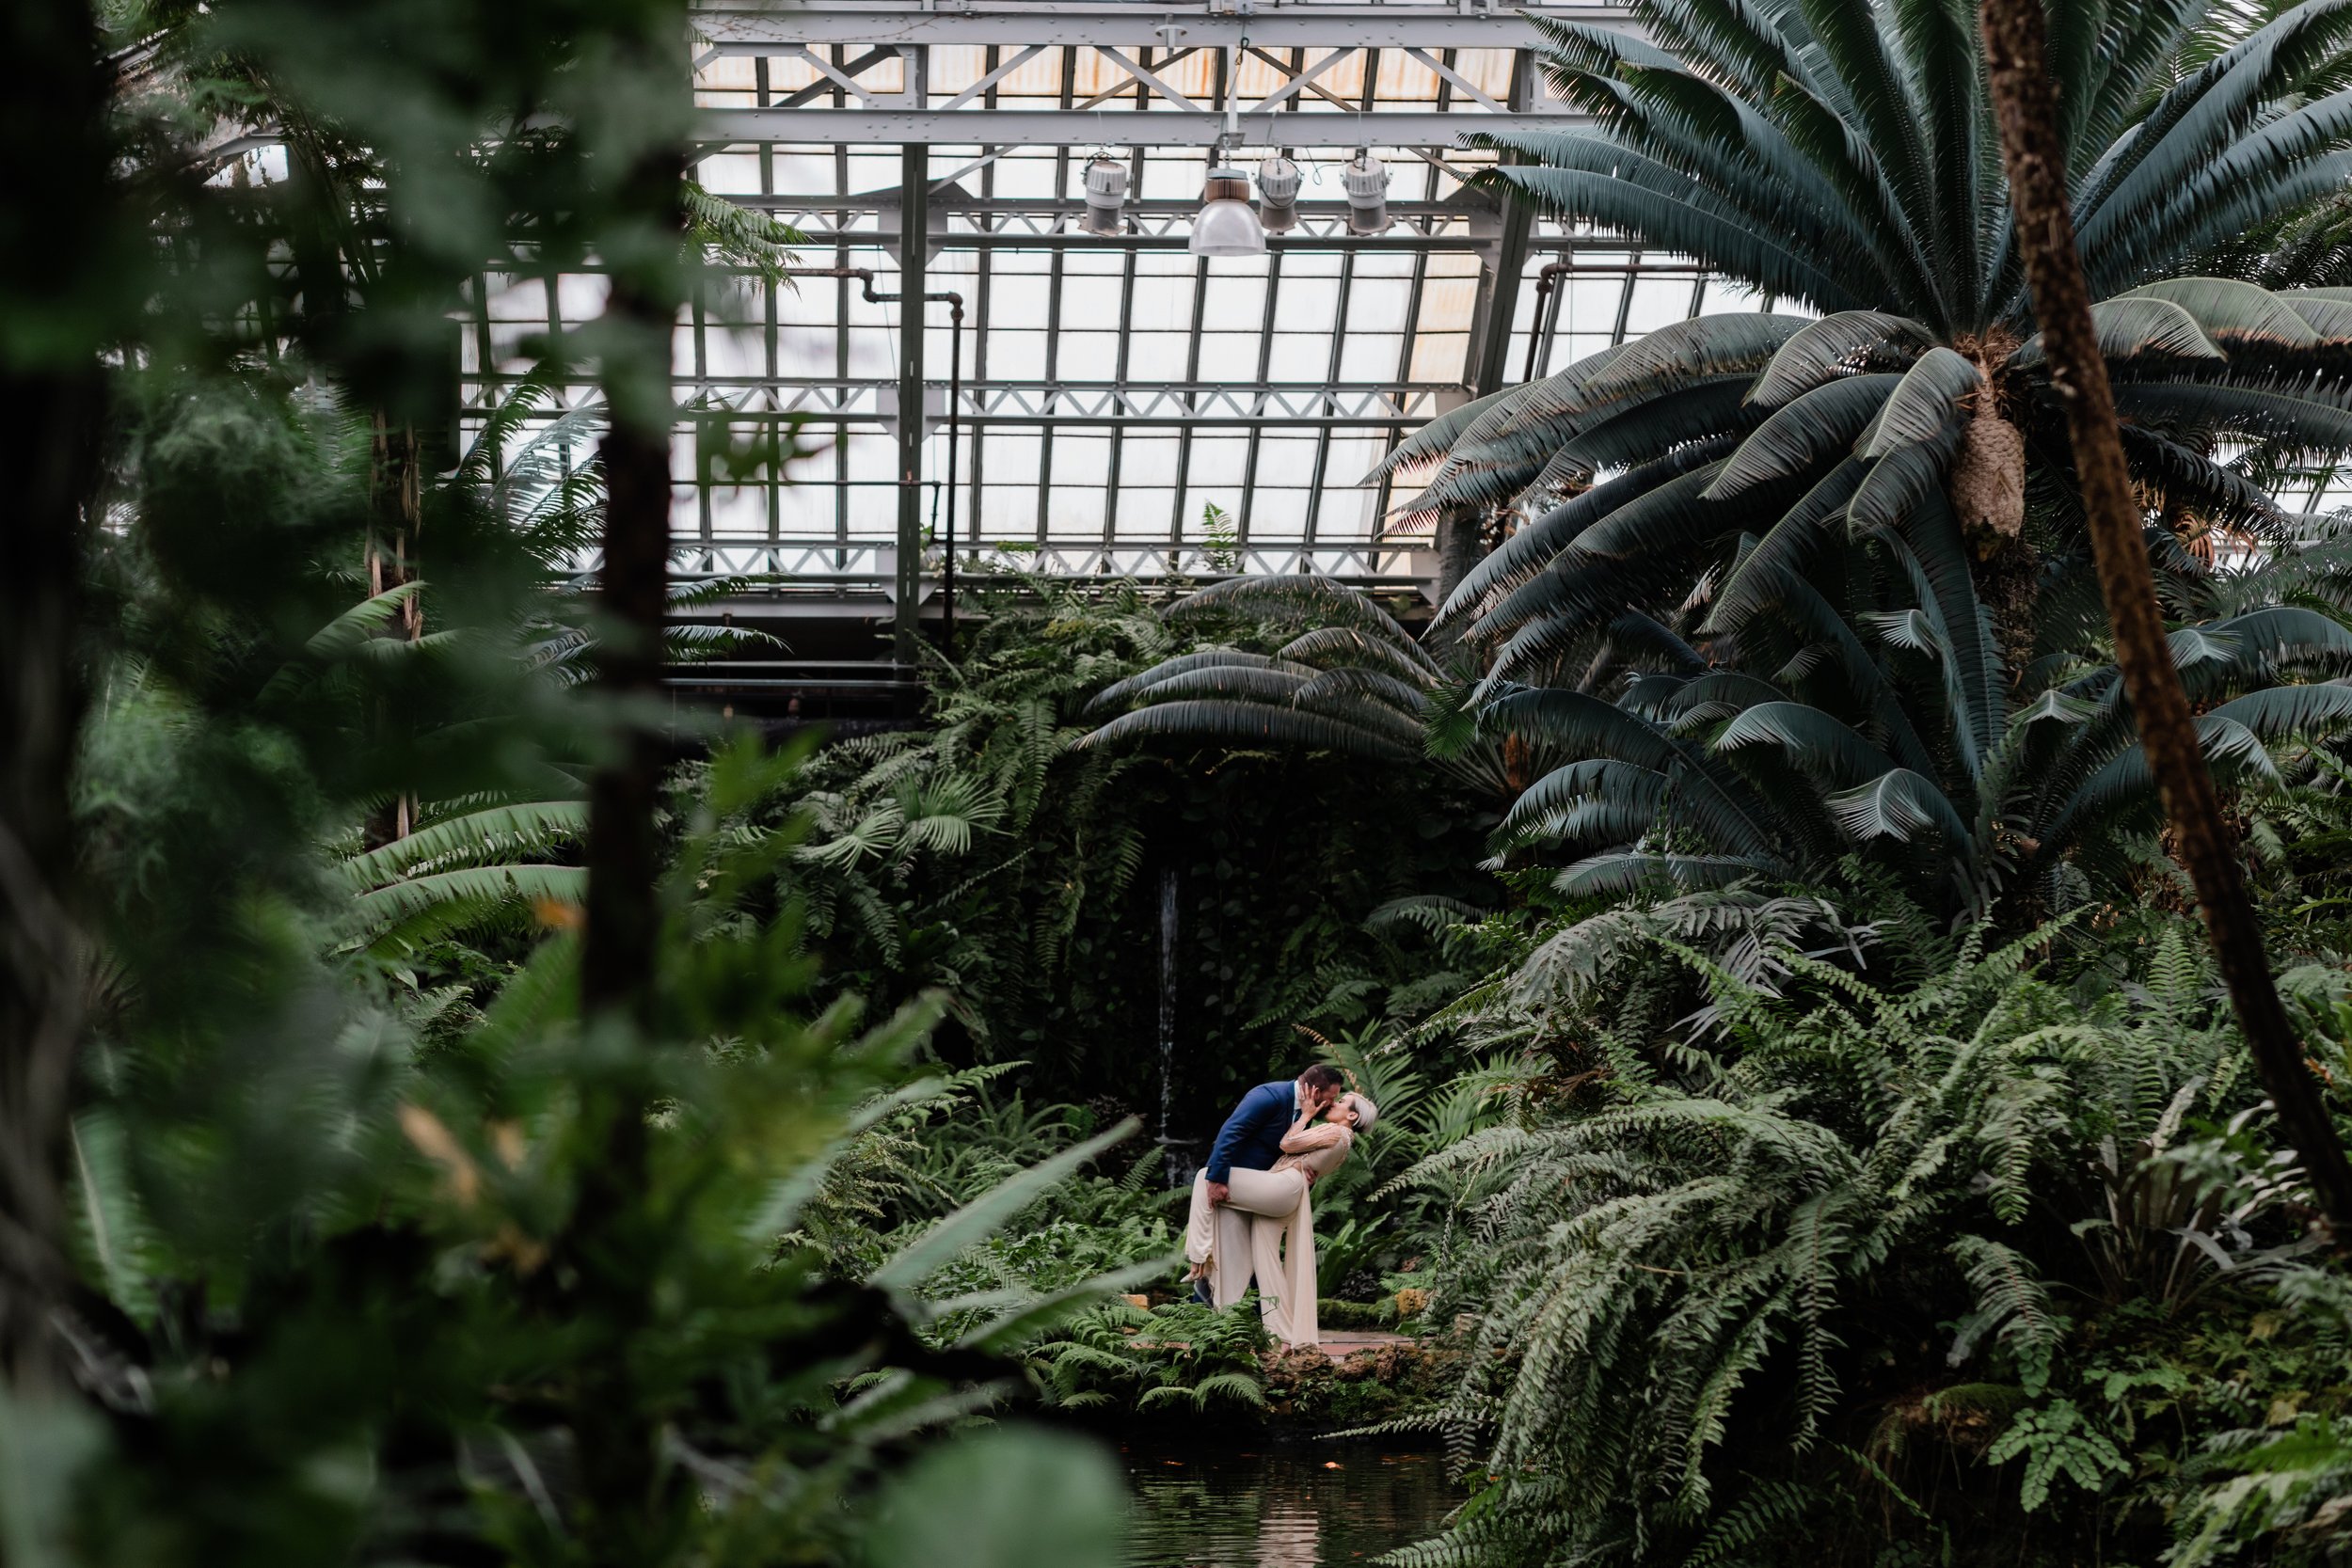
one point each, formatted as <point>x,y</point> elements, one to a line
<point>1844,154</point>
<point>1778,588</point>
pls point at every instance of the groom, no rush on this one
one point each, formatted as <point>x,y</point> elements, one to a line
<point>1251,1139</point>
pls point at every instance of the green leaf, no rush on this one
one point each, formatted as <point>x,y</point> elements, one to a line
<point>2133,326</point>
<point>469,839</point>
<point>2056,705</point>
<point>1655,208</point>
<point>1236,724</point>
<point>1346,647</point>
<point>1005,1498</point>
<point>1528,551</point>
<point>110,1223</point>
<point>1699,348</point>
<point>1025,1322</point>
<point>1640,873</point>
<point>1838,345</point>
<point>928,1253</point>
<point>359,623</point>
<point>1432,441</point>
<point>1896,485</point>
<point>1927,405</point>
<point>1782,556</point>
<point>1801,435</point>
<point>2299,417</point>
<point>1898,804</point>
<point>1220,679</point>
<point>1301,599</point>
<point>45,1445</point>
<point>472,886</point>
<point>1820,744</point>
<point>2235,314</point>
<point>2281,712</point>
<point>1120,691</point>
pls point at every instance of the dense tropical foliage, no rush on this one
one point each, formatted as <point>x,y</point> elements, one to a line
<point>1867,1112</point>
<point>1807,1133</point>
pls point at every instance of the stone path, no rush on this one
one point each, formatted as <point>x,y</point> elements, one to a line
<point>1341,1343</point>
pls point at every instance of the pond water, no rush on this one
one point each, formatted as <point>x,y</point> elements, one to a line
<point>1305,1505</point>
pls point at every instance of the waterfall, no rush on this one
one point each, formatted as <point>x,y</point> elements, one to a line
<point>1168,1139</point>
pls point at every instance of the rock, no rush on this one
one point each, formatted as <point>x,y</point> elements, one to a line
<point>1412,1302</point>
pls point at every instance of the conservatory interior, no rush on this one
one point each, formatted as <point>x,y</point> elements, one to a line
<point>1140,783</point>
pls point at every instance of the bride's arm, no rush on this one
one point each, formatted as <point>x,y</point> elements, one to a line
<point>1297,1141</point>
<point>1303,1139</point>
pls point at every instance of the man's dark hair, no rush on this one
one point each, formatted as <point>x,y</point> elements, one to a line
<point>1322,1077</point>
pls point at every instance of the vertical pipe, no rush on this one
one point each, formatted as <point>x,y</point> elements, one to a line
<point>954,397</point>
<point>913,244</point>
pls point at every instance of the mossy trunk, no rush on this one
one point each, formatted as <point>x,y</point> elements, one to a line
<point>2034,153</point>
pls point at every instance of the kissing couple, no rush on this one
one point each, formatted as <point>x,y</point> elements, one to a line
<point>1251,1217</point>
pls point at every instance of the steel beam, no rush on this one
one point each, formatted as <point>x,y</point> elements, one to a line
<point>1499,273</point>
<point>955,204</point>
<point>1093,128</point>
<point>1431,24</point>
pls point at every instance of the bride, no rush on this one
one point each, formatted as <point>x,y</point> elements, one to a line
<point>1267,1209</point>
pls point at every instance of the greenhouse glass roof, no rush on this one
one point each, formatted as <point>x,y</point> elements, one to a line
<point>1125,409</point>
<point>1115,388</point>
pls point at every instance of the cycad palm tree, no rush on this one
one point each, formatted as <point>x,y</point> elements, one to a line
<point>1813,581</point>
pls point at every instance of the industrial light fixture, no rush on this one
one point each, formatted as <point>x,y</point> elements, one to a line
<point>1228,226</point>
<point>1367,182</point>
<point>1277,194</point>
<point>1106,192</point>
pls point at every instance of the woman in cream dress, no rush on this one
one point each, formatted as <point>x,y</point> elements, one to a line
<point>1273,1205</point>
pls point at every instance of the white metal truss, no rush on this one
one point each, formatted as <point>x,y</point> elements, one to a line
<point>1121,23</point>
<point>1118,394</point>
<point>871,566</point>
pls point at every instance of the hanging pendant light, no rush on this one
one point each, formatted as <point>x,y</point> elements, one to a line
<point>1277,194</point>
<point>1367,182</point>
<point>1106,192</point>
<point>1227,225</point>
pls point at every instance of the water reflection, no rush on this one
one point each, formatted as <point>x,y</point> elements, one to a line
<point>1305,1506</point>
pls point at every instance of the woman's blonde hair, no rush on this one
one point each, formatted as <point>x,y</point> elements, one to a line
<point>1366,1112</point>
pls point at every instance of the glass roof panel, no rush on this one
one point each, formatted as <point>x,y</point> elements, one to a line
<point>1111,387</point>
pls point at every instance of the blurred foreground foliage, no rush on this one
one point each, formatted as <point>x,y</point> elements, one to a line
<point>337,1231</point>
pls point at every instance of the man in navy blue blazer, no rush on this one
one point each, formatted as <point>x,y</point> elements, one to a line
<point>1251,1137</point>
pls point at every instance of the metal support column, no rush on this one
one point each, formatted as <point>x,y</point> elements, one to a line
<point>1458,536</point>
<point>913,242</point>
<point>1498,272</point>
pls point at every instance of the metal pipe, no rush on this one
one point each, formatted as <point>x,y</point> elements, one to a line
<point>955,404</point>
<point>955,399</point>
<point>1535,323</point>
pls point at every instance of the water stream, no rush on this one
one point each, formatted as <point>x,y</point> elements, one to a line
<point>1168,1139</point>
<point>1281,1506</point>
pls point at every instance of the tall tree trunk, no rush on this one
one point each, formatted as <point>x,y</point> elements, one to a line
<point>631,1497</point>
<point>54,210</point>
<point>633,594</point>
<point>395,507</point>
<point>2027,106</point>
